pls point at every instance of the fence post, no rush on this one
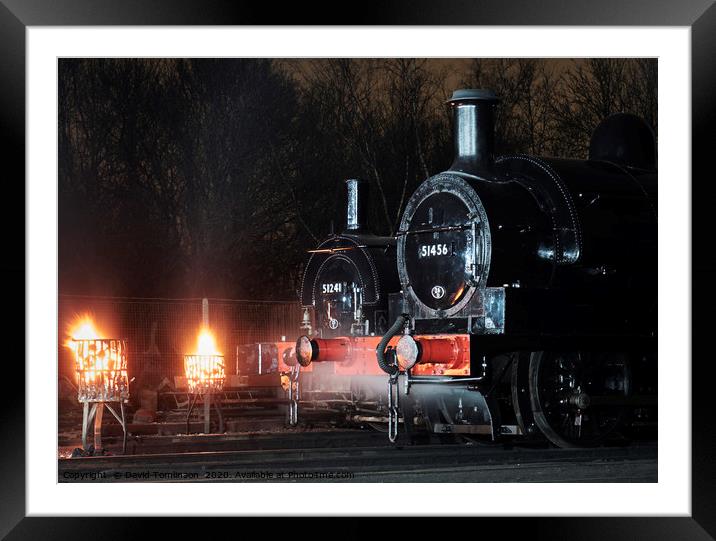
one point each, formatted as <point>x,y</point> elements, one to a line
<point>207,396</point>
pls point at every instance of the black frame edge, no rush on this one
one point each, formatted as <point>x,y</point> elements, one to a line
<point>699,13</point>
<point>387,12</point>
<point>12,268</point>
<point>703,139</point>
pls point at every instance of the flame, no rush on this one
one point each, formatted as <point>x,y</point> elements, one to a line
<point>100,363</point>
<point>82,327</point>
<point>204,369</point>
<point>206,343</point>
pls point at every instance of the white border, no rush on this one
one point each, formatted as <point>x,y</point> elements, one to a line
<point>671,495</point>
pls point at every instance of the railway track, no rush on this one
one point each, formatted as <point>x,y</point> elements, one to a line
<point>264,440</point>
<point>366,457</point>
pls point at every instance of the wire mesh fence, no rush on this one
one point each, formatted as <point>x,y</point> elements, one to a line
<point>159,332</point>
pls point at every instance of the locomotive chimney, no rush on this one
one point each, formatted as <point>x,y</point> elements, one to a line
<point>474,125</point>
<point>357,210</point>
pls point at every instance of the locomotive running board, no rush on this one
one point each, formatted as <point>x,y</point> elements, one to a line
<point>444,428</point>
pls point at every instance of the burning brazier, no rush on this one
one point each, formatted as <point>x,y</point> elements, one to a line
<point>101,369</point>
<point>205,375</point>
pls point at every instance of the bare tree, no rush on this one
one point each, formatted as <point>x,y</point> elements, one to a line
<point>550,110</point>
<point>594,89</point>
<point>234,203</point>
<point>524,120</point>
<point>641,96</point>
<point>381,116</point>
<point>163,161</point>
<point>413,99</point>
<point>104,130</point>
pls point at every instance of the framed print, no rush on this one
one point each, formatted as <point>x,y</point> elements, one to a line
<point>422,248</point>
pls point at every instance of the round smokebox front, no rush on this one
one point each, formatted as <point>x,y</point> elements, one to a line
<point>443,245</point>
<point>335,291</point>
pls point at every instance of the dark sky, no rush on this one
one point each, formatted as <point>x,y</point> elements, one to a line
<point>453,68</point>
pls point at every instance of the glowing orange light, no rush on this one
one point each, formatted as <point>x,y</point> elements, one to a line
<point>100,363</point>
<point>204,370</point>
<point>82,327</point>
<point>458,294</point>
<point>206,343</point>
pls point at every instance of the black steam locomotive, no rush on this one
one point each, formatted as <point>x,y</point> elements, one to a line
<point>548,265</point>
<point>348,276</point>
<point>522,291</point>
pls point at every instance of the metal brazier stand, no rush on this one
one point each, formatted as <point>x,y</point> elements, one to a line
<point>205,376</point>
<point>101,366</point>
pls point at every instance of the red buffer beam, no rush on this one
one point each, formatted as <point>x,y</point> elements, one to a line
<point>426,355</point>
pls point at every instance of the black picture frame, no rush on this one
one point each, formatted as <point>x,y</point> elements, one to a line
<point>699,15</point>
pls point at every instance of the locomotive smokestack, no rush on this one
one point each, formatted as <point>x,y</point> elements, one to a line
<point>474,125</point>
<point>357,209</point>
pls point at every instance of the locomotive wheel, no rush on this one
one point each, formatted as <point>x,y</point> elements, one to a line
<point>562,386</point>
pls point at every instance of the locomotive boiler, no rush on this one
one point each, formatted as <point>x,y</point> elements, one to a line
<point>539,275</point>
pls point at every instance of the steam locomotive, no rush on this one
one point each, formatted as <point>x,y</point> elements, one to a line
<point>518,297</point>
